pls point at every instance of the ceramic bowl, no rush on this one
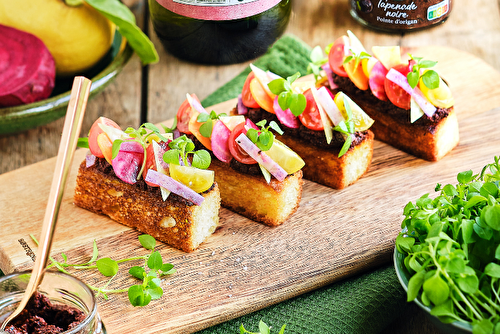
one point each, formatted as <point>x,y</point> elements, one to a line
<point>24,117</point>
<point>404,276</point>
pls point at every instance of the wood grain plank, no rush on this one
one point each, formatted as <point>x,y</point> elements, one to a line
<point>246,266</point>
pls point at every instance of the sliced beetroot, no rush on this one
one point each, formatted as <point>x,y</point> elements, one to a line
<point>249,124</point>
<point>377,81</point>
<point>27,69</point>
<point>285,116</point>
<point>219,141</point>
<point>128,161</point>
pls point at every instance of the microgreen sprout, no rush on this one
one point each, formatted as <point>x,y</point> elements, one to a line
<point>263,329</point>
<point>208,122</point>
<point>430,78</point>
<point>452,249</point>
<point>150,273</point>
<point>172,128</point>
<point>142,135</point>
<point>347,128</point>
<point>264,138</point>
<point>318,59</point>
<point>179,150</point>
<point>83,142</point>
<point>357,57</point>
<point>287,98</point>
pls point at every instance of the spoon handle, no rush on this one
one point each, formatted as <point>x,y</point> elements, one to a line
<point>71,131</point>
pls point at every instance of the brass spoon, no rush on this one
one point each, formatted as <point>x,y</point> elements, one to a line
<point>71,131</point>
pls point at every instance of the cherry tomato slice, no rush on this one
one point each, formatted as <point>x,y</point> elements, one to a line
<point>336,56</point>
<point>95,131</point>
<point>260,95</point>
<point>356,74</point>
<point>311,117</point>
<point>246,94</point>
<point>150,164</point>
<point>184,114</point>
<point>235,149</point>
<point>397,95</point>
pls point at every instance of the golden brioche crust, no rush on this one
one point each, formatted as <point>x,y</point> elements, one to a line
<point>325,167</point>
<point>176,221</point>
<point>252,197</point>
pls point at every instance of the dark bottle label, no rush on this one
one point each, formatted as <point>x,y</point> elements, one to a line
<point>218,10</point>
<point>397,15</point>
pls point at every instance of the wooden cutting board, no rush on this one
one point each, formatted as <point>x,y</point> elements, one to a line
<point>246,266</point>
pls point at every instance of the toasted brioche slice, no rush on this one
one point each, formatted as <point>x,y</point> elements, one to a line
<point>176,221</point>
<point>429,138</point>
<point>325,167</point>
<point>430,141</point>
<point>252,197</point>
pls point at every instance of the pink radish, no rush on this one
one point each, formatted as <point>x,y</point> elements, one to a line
<point>219,141</point>
<point>377,79</point>
<point>285,116</point>
<point>27,69</point>
<point>128,161</point>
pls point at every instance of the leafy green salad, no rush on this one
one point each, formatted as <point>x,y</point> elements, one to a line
<point>452,249</point>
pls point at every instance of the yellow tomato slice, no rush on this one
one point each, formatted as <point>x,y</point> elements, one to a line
<point>356,74</point>
<point>362,121</point>
<point>194,128</point>
<point>260,96</point>
<point>197,179</point>
<point>440,97</point>
<point>290,161</point>
<point>106,146</point>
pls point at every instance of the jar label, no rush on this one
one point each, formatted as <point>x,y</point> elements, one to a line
<point>218,10</point>
<point>401,14</point>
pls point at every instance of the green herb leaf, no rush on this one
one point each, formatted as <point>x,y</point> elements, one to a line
<point>107,266</point>
<point>83,142</point>
<point>120,15</point>
<point>172,157</point>
<point>277,86</point>
<point>346,146</point>
<point>137,272</point>
<point>147,241</point>
<point>155,261</point>
<point>201,159</point>
<point>206,128</point>
<point>263,328</point>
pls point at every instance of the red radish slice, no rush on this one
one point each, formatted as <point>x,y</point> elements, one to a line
<point>90,159</point>
<point>400,80</point>
<point>220,146</point>
<point>242,110</point>
<point>195,104</point>
<point>174,186</point>
<point>249,124</point>
<point>261,157</point>
<point>377,79</point>
<point>131,146</point>
<point>285,116</point>
<point>326,100</point>
<point>329,76</point>
<point>126,165</point>
<point>27,69</point>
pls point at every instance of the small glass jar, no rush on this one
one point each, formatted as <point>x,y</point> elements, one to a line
<point>60,288</point>
<point>400,16</point>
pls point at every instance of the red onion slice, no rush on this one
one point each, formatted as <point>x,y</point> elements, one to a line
<point>242,110</point>
<point>89,159</point>
<point>400,80</point>
<point>261,157</point>
<point>329,75</point>
<point>174,186</point>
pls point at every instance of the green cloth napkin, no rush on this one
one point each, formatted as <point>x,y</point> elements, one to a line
<point>363,304</point>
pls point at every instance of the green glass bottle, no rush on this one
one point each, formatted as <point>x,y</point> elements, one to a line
<point>219,31</point>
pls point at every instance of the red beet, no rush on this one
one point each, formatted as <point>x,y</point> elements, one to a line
<point>27,69</point>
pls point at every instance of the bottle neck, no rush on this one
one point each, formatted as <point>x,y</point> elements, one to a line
<point>217,10</point>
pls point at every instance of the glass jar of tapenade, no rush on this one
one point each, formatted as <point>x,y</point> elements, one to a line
<point>63,304</point>
<point>400,15</point>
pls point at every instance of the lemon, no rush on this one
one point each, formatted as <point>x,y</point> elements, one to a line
<point>290,161</point>
<point>77,37</point>
<point>362,121</point>
<point>197,179</point>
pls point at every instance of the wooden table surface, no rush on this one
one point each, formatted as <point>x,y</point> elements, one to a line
<point>474,27</point>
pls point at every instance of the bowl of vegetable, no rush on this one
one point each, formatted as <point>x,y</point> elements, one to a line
<point>447,256</point>
<point>27,116</point>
